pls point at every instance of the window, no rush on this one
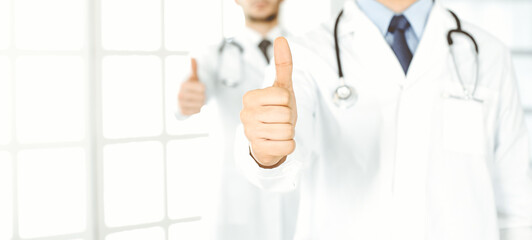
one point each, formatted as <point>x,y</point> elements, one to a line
<point>89,145</point>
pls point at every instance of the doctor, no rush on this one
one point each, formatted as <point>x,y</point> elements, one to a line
<point>224,72</point>
<point>413,154</point>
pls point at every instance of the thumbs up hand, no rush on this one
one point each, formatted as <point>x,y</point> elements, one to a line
<point>191,96</point>
<point>269,115</point>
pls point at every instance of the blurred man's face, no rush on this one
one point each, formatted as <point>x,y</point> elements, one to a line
<point>260,10</point>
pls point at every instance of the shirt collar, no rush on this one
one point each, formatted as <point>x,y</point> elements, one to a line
<point>417,14</point>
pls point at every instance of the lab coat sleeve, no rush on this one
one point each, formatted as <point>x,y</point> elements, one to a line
<point>513,178</point>
<point>207,71</point>
<point>286,176</point>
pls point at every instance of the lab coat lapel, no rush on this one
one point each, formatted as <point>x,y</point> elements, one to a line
<point>369,47</point>
<point>432,50</point>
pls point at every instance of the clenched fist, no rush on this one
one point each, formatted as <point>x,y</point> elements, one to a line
<point>192,94</point>
<point>269,115</point>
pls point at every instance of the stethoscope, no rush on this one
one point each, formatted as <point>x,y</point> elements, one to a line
<point>227,76</point>
<point>345,95</point>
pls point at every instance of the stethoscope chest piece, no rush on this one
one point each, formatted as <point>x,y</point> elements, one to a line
<point>345,96</point>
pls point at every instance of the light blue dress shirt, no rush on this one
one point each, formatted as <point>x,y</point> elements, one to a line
<point>417,15</point>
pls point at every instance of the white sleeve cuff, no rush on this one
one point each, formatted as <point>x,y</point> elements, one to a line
<point>180,116</point>
<point>280,179</point>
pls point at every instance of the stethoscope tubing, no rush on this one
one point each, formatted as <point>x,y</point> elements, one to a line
<point>450,42</point>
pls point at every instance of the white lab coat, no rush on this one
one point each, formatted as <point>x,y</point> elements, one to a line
<point>403,162</point>
<point>244,212</point>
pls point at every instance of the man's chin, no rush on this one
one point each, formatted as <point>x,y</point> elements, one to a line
<point>267,18</point>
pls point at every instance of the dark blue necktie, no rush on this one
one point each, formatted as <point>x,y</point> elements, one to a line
<point>398,26</point>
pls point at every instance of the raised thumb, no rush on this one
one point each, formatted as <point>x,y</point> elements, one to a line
<point>193,70</point>
<point>283,63</point>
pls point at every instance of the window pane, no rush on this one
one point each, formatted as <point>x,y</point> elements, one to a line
<point>50,99</point>
<point>505,19</point>
<point>155,233</point>
<point>191,178</point>
<point>50,24</point>
<point>529,125</point>
<point>177,68</point>
<point>6,224</point>
<point>188,230</point>
<point>51,192</point>
<point>132,101</point>
<point>5,23</point>
<point>189,24</point>
<point>5,101</point>
<point>131,24</point>
<point>133,183</point>
<point>523,67</point>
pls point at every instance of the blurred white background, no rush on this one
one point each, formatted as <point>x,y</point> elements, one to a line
<point>89,147</point>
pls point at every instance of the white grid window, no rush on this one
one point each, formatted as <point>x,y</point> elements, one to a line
<point>6,201</point>
<point>45,149</point>
<point>140,59</point>
<point>51,192</point>
<point>89,146</point>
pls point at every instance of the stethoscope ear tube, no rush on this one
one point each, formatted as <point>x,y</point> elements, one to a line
<point>344,95</point>
<point>337,47</point>
<point>468,95</point>
<point>459,30</point>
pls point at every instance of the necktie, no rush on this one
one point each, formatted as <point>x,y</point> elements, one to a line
<point>398,26</point>
<point>263,45</point>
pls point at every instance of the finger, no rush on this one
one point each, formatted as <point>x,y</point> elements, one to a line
<point>283,63</point>
<point>273,148</point>
<point>184,103</point>
<point>274,114</point>
<point>191,97</point>
<point>194,70</point>
<point>191,105</point>
<point>276,132</point>
<point>196,104</point>
<point>193,87</point>
<point>190,111</point>
<point>271,96</point>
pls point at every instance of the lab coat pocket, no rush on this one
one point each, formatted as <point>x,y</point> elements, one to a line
<point>463,126</point>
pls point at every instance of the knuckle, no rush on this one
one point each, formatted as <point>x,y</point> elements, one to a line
<point>248,132</point>
<point>283,95</point>
<point>247,98</point>
<point>258,146</point>
<point>246,116</point>
<point>261,114</point>
<point>280,114</point>
<point>285,113</point>
<point>283,64</point>
<point>288,131</point>
<point>290,147</point>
